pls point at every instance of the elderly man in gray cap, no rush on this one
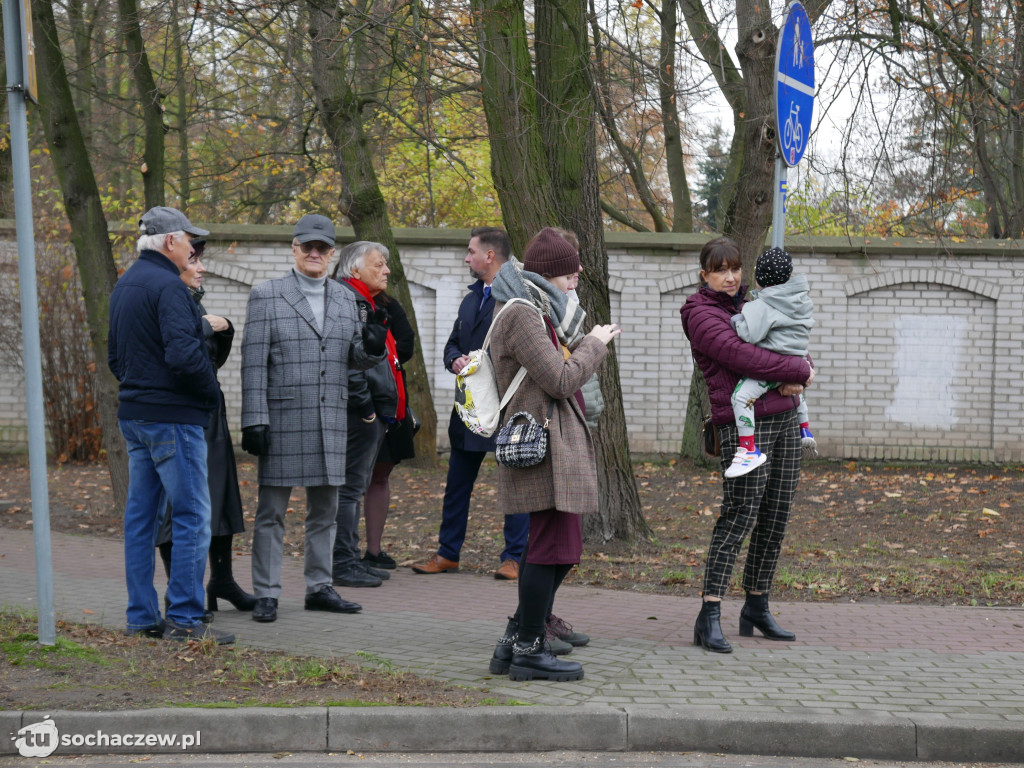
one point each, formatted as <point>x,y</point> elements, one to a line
<point>168,389</point>
<point>302,333</point>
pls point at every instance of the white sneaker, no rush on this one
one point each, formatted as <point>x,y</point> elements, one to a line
<point>745,461</point>
<point>808,444</point>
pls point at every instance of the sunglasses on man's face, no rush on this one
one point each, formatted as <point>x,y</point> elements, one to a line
<point>315,245</point>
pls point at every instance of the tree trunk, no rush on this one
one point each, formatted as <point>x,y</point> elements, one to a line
<point>150,99</point>
<point>675,163</point>
<point>181,118</point>
<point>567,119</point>
<point>1015,122</point>
<point>697,407</point>
<point>749,209</point>
<point>518,160</point>
<point>88,226</point>
<point>81,33</point>
<point>360,198</point>
<point>6,167</point>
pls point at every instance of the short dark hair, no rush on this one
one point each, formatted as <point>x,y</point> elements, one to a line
<point>722,251</point>
<point>494,238</point>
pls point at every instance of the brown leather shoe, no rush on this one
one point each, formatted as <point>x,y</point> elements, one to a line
<point>509,570</point>
<point>436,564</point>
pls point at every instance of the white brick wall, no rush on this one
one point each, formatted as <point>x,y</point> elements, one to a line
<point>918,345</point>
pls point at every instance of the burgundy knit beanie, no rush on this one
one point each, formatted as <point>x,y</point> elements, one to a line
<point>549,254</point>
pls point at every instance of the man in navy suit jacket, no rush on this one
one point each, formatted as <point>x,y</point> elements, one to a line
<point>488,249</point>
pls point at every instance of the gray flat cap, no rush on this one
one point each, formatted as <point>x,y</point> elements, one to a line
<point>163,220</point>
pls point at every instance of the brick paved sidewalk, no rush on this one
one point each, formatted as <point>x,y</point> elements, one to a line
<point>955,664</point>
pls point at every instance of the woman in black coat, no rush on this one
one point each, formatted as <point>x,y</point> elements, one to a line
<point>225,500</point>
<point>397,445</point>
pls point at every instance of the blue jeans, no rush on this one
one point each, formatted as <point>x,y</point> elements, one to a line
<point>463,468</point>
<point>166,462</point>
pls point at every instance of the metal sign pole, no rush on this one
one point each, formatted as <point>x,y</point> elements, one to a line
<point>16,105</point>
<point>779,204</point>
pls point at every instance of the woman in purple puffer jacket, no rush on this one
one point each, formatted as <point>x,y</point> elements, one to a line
<point>760,500</point>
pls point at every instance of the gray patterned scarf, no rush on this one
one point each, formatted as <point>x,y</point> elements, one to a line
<point>564,312</point>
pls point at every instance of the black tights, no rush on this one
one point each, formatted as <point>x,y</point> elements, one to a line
<point>537,587</point>
<point>220,558</point>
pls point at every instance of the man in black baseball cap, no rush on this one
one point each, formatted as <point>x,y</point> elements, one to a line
<point>303,333</point>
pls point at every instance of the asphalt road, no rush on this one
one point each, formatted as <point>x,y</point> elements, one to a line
<point>476,760</point>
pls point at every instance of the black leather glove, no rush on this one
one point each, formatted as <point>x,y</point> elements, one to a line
<point>375,332</point>
<point>256,440</point>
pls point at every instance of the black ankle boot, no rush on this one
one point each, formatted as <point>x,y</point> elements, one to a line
<point>537,662</point>
<point>707,632</point>
<point>755,613</point>
<point>502,658</point>
<point>230,591</point>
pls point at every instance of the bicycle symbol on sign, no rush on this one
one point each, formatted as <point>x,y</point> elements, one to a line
<point>793,131</point>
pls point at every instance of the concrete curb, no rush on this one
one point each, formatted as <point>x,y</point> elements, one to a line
<point>525,729</point>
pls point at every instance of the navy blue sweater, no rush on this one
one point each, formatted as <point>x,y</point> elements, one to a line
<point>155,346</point>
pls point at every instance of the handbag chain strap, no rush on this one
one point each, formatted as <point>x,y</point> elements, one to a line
<point>547,419</point>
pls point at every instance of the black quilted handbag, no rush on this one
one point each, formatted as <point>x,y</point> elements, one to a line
<point>524,444</point>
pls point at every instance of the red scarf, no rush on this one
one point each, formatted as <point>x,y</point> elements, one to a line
<point>363,291</point>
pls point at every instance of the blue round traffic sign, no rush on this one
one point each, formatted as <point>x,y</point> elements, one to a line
<point>794,84</point>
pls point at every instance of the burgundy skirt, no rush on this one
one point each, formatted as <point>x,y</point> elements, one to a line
<point>556,538</point>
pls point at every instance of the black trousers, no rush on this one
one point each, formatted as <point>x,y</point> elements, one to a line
<point>756,504</point>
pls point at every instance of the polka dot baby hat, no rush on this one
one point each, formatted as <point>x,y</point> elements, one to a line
<point>773,267</point>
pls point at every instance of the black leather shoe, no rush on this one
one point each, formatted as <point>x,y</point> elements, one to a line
<point>501,660</point>
<point>265,609</point>
<point>536,662</point>
<point>707,632</point>
<point>354,576</point>
<point>755,613</point>
<point>326,599</point>
<point>230,591</point>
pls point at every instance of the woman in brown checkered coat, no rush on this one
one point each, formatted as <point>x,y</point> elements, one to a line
<point>548,341</point>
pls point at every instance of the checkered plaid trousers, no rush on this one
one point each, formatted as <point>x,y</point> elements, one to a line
<point>756,504</point>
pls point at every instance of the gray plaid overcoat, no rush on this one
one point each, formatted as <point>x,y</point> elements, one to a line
<point>567,478</point>
<point>295,379</point>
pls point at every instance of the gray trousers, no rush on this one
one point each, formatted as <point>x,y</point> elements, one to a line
<point>268,537</point>
<point>364,442</point>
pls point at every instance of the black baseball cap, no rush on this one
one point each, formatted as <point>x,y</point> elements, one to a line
<point>313,226</point>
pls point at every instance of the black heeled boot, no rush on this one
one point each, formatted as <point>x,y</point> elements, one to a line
<point>536,662</point>
<point>501,660</point>
<point>222,582</point>
<point>707,631</point>
<point>755,613</point>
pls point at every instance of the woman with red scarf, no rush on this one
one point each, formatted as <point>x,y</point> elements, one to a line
<point>376,399</point>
